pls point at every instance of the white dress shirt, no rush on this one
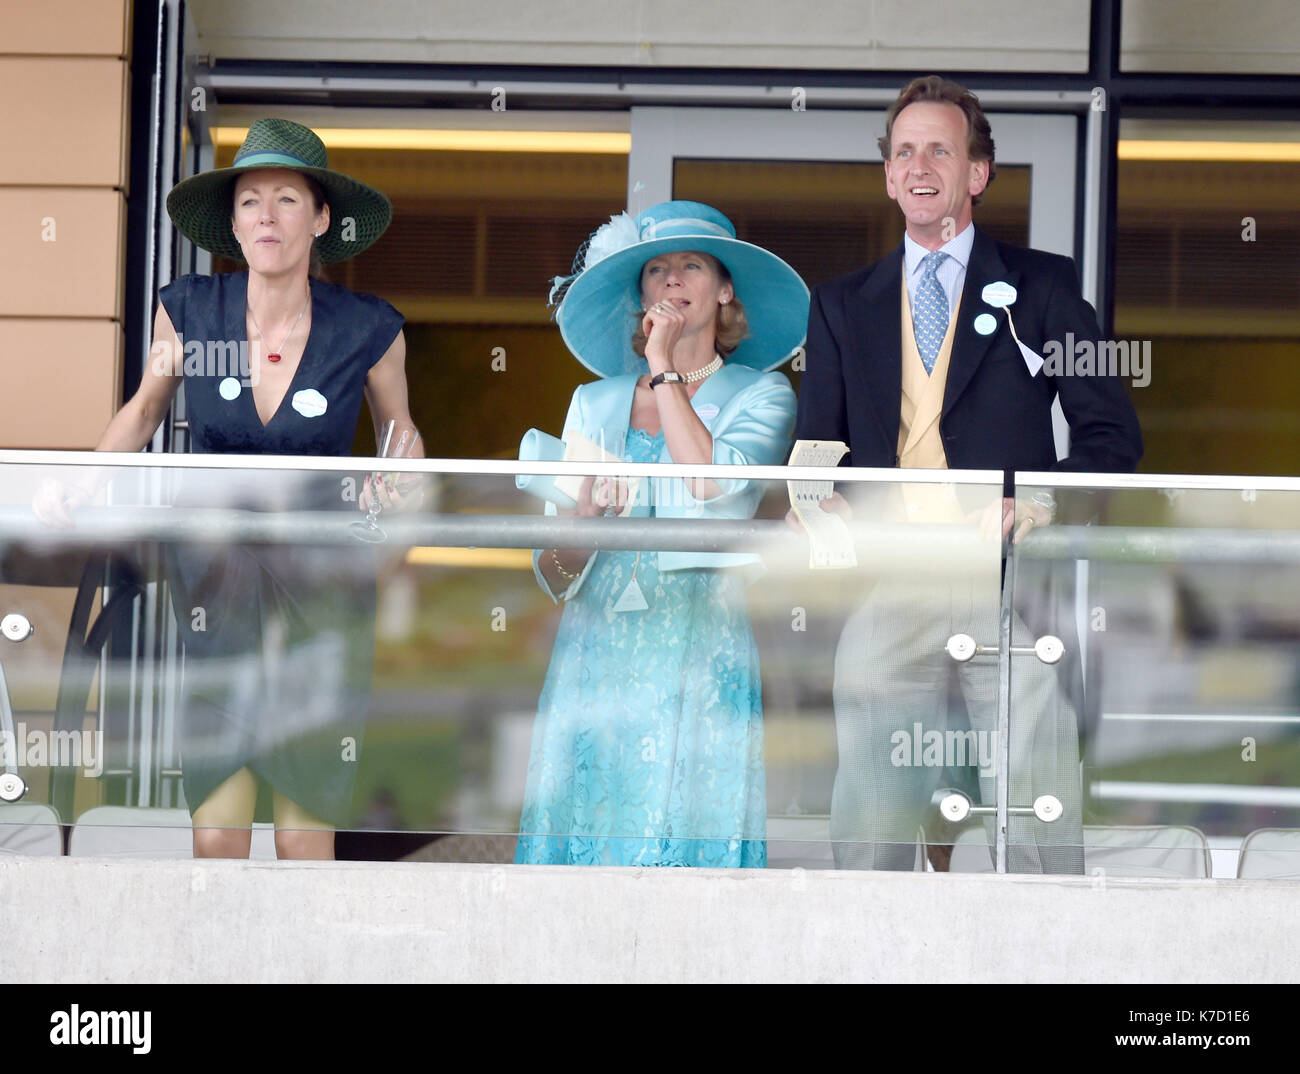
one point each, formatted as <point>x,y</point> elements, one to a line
<point>951,274</point>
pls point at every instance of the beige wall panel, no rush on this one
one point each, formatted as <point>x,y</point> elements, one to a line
<point>1013,35</point>
<point>62,381</point>
<point>79,273</point>
<point>67,27</point>
<point>72,123</point>
<point>1209,36</point>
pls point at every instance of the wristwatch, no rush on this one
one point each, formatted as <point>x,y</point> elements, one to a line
<point>670,377</point>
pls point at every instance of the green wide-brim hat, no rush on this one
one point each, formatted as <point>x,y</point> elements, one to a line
<point>200,206</point>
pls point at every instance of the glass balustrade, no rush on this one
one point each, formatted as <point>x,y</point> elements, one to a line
<point>1176,697</point>
<point>456,670</point>
<point>255,640</point>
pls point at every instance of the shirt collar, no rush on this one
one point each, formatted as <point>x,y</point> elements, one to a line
<point>958,248</point>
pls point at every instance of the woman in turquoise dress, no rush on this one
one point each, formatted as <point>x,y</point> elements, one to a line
<point>648,743</point>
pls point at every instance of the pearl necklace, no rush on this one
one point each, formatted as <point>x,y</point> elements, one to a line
<point>705,371</point>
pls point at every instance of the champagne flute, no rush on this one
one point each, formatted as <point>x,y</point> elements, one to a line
<point>397,440</point>
<point>613,490</point>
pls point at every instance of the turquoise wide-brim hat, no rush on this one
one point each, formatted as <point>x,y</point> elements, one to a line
<point>600,302</point>
<point>200,205</point>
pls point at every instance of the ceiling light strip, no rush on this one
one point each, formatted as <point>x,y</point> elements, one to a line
<point>1244,152</point>
<point>479,141</point>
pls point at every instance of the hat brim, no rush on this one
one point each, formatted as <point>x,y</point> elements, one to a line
<point>597,315</point>
<point>200,207</point>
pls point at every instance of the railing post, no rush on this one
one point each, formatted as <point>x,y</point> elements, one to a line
<point>1004,715</point>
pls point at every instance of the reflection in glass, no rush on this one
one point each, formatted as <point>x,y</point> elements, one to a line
<point>1178,603</point>
<point>917,718</point>
<point>428,756</point>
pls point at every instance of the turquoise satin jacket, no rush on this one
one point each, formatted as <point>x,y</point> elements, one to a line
<point>750,416</point>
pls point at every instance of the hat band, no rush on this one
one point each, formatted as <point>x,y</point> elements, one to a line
<point>682,226</point>
<point>284,159</point>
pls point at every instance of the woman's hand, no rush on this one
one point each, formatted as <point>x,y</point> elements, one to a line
<point>395,492</point>
<point>587,503</point>
<point>561,567</point>
<point>602,496</point>
<point>662,324</point>
<point>610,495</point>
<point>54,503</point>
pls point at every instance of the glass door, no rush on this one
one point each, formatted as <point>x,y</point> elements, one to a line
<point>811,160</point>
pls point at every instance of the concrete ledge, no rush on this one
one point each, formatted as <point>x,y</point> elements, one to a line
<point>97,920</point>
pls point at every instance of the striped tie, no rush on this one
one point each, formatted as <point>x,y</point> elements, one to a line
<point>930,311</point>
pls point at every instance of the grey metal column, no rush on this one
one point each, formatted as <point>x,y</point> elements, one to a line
<point>1004,715</point>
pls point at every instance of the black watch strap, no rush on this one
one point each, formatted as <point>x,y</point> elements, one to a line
<point>671,377</point>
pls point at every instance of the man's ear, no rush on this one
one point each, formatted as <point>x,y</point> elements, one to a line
<point>889,181</point>
<point>979,177</point>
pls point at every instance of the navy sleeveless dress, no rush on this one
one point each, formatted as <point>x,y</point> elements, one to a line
<point>279,638</point>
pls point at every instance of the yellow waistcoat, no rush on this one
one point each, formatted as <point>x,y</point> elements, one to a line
<point>919,443</point>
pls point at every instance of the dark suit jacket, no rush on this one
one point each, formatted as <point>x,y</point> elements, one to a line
<point>995,415</point>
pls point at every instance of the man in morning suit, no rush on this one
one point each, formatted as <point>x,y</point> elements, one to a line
<point>929,375</point>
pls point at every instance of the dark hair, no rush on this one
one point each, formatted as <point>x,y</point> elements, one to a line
<point>979,138</point>
<point>730,328</point>
<point>315,266</point>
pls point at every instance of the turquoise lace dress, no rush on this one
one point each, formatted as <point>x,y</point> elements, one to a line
<point>648,744</point>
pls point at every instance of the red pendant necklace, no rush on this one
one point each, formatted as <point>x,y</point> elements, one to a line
<point>275,355</point>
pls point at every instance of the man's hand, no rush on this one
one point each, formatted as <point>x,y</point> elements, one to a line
<point>836,504</point>
<point>1030,514</point>
<point>996,520</point>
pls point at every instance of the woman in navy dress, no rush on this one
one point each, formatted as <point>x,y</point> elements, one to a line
<point>278,665</point>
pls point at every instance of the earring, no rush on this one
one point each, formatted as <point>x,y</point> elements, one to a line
<point>319,234</point>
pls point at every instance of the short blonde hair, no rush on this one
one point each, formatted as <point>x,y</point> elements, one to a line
<point>731,327</point>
